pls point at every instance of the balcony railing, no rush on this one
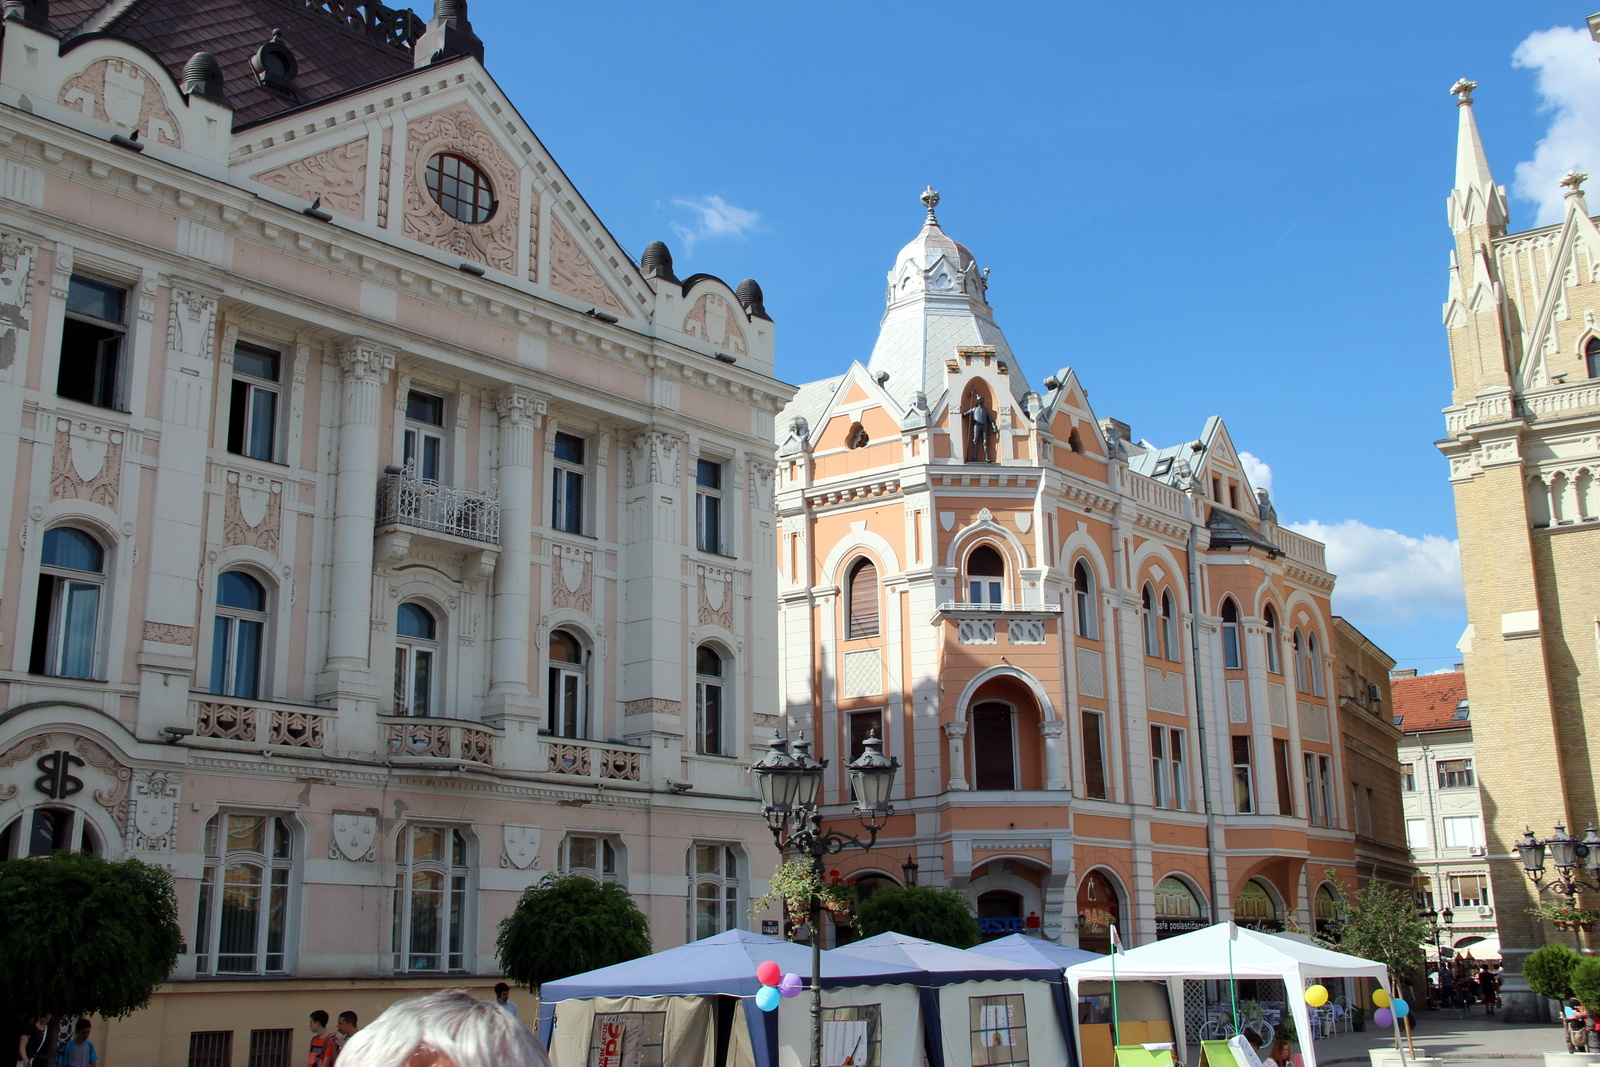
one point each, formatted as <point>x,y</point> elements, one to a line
<point>423,504</point>
<point>596,759</point>
<point>254,722</point>
<point>410,739</point>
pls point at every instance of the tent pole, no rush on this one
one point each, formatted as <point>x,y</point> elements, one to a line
<point>816,966</point>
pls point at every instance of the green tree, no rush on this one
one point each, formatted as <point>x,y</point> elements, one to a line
<point>1381,924</point>
<point>929,912</point>
<point>1548,971</point>
<point>84,936</point>
<point>567,925</point>
<point>1585,980</point>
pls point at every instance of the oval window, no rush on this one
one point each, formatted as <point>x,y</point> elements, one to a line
<point>460,188</point>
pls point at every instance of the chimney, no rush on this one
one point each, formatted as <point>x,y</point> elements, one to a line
<point>448,35</point>
<point>1403,672</point>
<point>1459,667</point>
<point>34,12</point>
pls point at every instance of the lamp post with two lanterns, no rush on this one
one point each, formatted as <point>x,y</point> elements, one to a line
<point>1567,853</point>
<point>791,782</point>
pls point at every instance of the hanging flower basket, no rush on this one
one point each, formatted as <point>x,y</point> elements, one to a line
<point>1562,924</point>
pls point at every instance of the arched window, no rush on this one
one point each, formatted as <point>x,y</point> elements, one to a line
<point>66,628</point>
<point>1302,670</point>
<point>238,636</point>
<point>1000,914</point>
<point>1232,650</point>
<point>1274,643</point>
<point>240,925</point>
<point>1178,910</point>
<point>994,747</point>
<point>46,830</point>
<point>863,602</point>
<point>986,575</point>
<point>430,899</point>
<point>1099,909</point>
<point>569,698</point>
<point>1083,600</point>
<point>1254,908</point>
<point>711,714</point>
<point>1314,664</point>
<point>593,857</point>
<point>415,651</point>
<point>1591,357</point>
<point>1152,623</point>
<point>715,872</point>
<point>1169,628</point>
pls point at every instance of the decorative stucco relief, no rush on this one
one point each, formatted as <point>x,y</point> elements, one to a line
<point>190,330</point>
<point>533,236</point>
<point>714,321</point>
<point>254,512</point>
<point>654,458</point>
<point>457,130</point>
<point>155,812</point>
<point>572,273</point>
<point>761,486</point>
<point>385,168</point>
<point>169,633</point>
<point>23,750</point>
<point>123,93</point>
<point>716,597</point>
<point>338,177</point>
<point>115,799</point>
<point>521,848</point>
<point>354,837</point>
<point>86,463</point>
<point>653,706</point>
<point>16,293</point>
<point>572,578</point>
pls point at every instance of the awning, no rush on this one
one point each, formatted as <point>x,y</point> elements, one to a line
<point>1477,947</point>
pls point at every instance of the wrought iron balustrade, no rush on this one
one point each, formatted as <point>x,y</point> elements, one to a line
<point>424,504</point>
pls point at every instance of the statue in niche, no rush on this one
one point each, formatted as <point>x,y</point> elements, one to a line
<point>982,431</point>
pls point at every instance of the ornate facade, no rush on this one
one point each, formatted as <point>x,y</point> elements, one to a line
<point>1107,670</point>
<point>381,537</point>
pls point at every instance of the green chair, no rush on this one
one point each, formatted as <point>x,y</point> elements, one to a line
<point>1139,1056</point>
<point>1219,1054</point>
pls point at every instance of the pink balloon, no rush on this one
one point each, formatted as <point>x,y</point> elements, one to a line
<point>1383,1017</point>
<point>791,985</point>
<point>769,973</point>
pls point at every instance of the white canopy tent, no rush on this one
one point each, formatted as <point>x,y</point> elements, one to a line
<point>1204,955</point>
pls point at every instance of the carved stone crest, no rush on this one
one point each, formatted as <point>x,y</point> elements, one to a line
<point>155,811</point>
<point>126,95</point>
<point>716,597</point>
<point>572,578</point>
<point>714,321</point>
<point>521,848</point>
<point>253,514</point>
<point>654,458</point>
<point>190,329</point>
<point>354,834</point>
<point>86,464</point>
<point>16,294</point>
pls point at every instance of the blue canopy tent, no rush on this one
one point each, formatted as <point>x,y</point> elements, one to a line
<point>969,997</point>
<point>1027,949</point>
<point>723,965</point>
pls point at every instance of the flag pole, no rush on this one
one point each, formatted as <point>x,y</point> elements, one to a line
<point>1116,1014</point>
<point>1233,984</point>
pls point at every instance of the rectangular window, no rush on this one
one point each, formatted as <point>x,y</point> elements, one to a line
<point>210,1048</point>
<point>93,338</point>
<point>1417,833</point>
<point>1243,788</point>
<point>1313,808</point>
<point>593,856</point>
<point>424,436</point>
<point>1408,777</point>
<point>566,503</point>
<point>708,506</point>
<point>1456,774</point>
<point>999,1031</point>
<point>1094,764</point>
<point>1463,831</point>
<point>1372,816</point>
<point>254,403</point>
<point>1469,890</point>
<point>636,1038</point>
<point>271,1048</point>
<point>715,873</point>
<point>430,900</point>
<point>863,724</point>
<point>1180,780</point>
<point>1280,763</point>
<point>994,758</point>
<point>1158,765</point>
<point>708,709</point>
<point>1329,805</point>
<point>1231,657</point>
<point>1422,891</point>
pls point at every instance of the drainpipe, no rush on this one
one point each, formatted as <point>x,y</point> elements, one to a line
<point>1192,548</point>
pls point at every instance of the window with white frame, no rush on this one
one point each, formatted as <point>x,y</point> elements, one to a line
<point>94,339</point>
<point>72,586</point>
<point>255,401</point>
<point>711,715</point>
<point>241,924</point>
<point>1169,628</point>
<point>1408,777</point>
<point>430,899</point>
<point>1330,810</point>
<point>569,695</point>
<point>986,576</point>
<point>1456,773</point>
<point>566,492</point>
<point>709,532</point>
<point>47,829</point>
<point>416,653</point>
<point>1083,601</point>
<point>1244,794</point>
<point>1463,831</point>
<point>1314,810</point>
<point>423,444</point>
<point>1274,647</point>
<point>1179,793</point>
<point>593,857</point>
<point>1469,890</point>
<point>1232,648</point>
<point>714,871</point>
<point>1416,833</point>
<point>1152,623</point>
<point>238,636</point>
<point>1158,765</point>
<point>1314,665</point>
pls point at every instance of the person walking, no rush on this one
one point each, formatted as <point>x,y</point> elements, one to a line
<point>502,997</point>
<point>31,1041</point>
<point>79,1052</point>
<point>321,1041</point>
<point>1488,989</point>
<point>342,1031</point>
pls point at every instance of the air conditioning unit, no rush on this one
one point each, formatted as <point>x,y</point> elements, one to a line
<point>1374,694</point>
<point>1485,912</point>
<point>1478,850</point>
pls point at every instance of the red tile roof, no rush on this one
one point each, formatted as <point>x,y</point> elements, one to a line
<point>1429,702</point>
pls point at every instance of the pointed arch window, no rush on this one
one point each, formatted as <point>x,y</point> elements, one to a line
<point>1083,601</point>
<point>986,575</point>
<point>1169,628</point>
<point>1591,357</point>
<point>1274,647</point>
<point>863,604</point>
<point>416,650</point>
<point>238,636</point>
<point>1232,652</point>
<point>1152,623</point>
<point>1313,665</point>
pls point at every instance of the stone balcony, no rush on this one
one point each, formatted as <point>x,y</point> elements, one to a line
<point>258,722</point>
<point>463,522</point>
<point>982,624</point>
<point>595,760</point>
<point>431,739</point>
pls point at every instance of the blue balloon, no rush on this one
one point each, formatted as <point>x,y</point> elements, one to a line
<point>1401,1008</point>
<point>767,997</point>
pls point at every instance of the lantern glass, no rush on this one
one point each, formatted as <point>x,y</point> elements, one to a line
<point>1591,841</point>
<point>1531,849</point>
<point>775,774</point>
<point>1563,849</point>
<point>872,776</point>
<point>808,773</point>
<point>1447,917</point>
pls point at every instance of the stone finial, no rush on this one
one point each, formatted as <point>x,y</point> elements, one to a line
<point>931,198</point>
<point>1462,90</point>
<point>1572,181</point>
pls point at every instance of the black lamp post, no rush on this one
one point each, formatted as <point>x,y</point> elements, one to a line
<point>909,869</point>
<point>790,782</point>
<point>1566,852</point>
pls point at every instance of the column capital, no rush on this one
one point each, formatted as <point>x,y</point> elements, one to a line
<point>363,359</point>
<point>1052,728</point>
<point>956,729</point>
<point>519,405</point>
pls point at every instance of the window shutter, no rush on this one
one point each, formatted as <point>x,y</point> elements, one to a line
<point>864,601</point>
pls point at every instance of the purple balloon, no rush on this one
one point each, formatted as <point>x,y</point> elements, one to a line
<point>1383,1017</point>
<point>790,985</point>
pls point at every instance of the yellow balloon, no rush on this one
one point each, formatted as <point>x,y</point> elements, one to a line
<point>1316,995</point>
<point>1380,998</point>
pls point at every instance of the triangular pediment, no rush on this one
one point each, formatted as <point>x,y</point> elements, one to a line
<point>1541,340</point>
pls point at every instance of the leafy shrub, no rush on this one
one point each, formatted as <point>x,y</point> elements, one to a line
<point>568,925</point>
<point>930,912</point>
<point>1548,971</point>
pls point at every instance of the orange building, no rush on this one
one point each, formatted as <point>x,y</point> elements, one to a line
<point>1105,668</point>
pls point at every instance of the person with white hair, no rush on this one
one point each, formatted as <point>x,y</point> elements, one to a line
<point>450,1028</point>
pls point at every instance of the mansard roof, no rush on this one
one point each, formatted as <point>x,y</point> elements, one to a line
<point>340,45</point>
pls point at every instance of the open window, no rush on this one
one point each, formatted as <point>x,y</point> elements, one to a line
<point>423,444</point>
<point>238,636</point>
<point>569,695</point>
<point>255,401</point>
<point>416,653</point>
<point>986,576</point>
<point>1083,601</point>
<point>93,343</point>
<point>72,585</point>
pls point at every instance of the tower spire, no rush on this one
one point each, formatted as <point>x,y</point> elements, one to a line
<point>1475,200</point>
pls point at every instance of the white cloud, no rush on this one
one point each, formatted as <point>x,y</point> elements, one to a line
<point>1563,60</point>
<point>1386,577</point>
<point>1257,471</point>
<point>714,217</point>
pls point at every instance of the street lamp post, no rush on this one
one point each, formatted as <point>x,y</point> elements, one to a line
<point>791,781</point>
<point>1566,852</point>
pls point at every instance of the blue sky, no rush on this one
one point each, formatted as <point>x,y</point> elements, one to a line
<point>1233,209</point>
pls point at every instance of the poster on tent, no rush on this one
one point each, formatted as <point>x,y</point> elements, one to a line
<point>851,1036</point>
<point>626,1039</point>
